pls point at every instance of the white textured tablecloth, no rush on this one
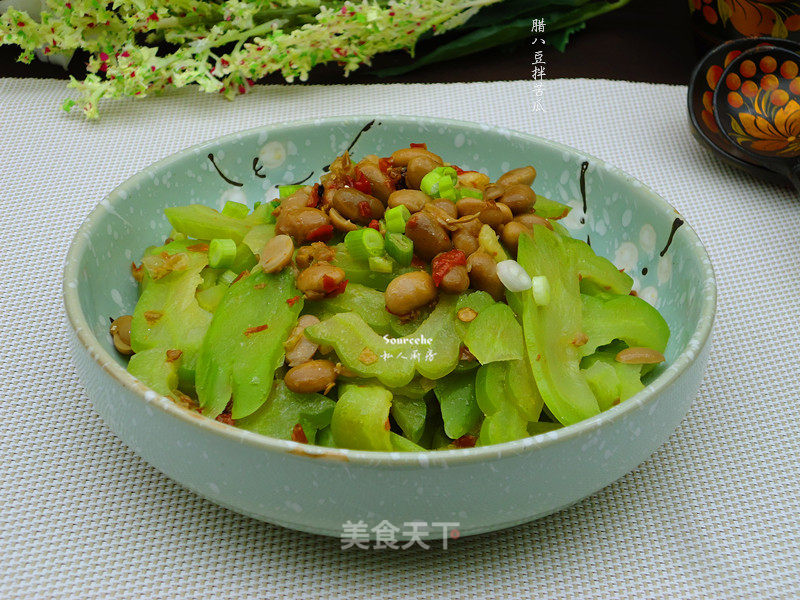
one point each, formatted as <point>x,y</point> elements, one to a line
<point>715,513</point>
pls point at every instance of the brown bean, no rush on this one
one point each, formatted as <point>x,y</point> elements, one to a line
<point>418,168</point>
<point>300,349</point>
<point>519,198</point>
<point>638,355</point>
<point>428,236</point>
<point>312,376</point>
<point>276,254</point>
<point>300,222</point>
<point>319,279</point>
<point>381,185</point>
<point>470,206</point>
<point>339,222</point>
<point>300,199</point>
<point>357,206</point>
<point>409,291</point>
<point>446,206</point>
<point>120,331</point>
<point>495,214</point>
<point>524,175</point>
<point>483,274</point>
<point>529,220</point>
<point>318,251</point>
<point>471,226</point>
<point>455,281</point>
<point>510,234</point>
<point>413,200</point>
<point>401,158</point>
<point>465,241</point>
<point>473,179</point>
<point>493,192</point>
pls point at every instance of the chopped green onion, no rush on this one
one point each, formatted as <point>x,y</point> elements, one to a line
<point>221,253</point>
<point>449,194</point>
<point>541,290</point>
<point>363,243</point>
<point>487,239</point>
<point>237,210</point>
<point>396,219</point>
<point>400,248</point>
<point>380,264</point>
<point>513,276</point>
<point>468,192</point>
<point>284,191</point>
<point>228,277</point>
<point>441,178</point>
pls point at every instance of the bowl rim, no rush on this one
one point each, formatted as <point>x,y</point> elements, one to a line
<point>444,458</point>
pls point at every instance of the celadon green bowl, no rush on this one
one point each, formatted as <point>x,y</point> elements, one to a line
<point>319,489</point>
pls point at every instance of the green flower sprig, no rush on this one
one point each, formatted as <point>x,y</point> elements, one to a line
<point>138,48</point>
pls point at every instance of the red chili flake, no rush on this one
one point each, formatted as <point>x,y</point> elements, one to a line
<point>465,441</point>
<point>104,57</point>
<point>384,164</point>
<point>103,67</point>
<point>391,13</point>
<point>298,435</point>
<point>441,265</point>
<point>386,425</point>
<point>331,287</point>
<point>69,5</point>
<point>47,50</point>
<point>458,169</point>
<point>126,54</point>
<point>362,184</point>
<point>364,210</point>
<point>323,233</point>
<point>422,145</point>
<point>242,89</point>
<point>133,73</point>
<point>20,24</point>
<point>224,63</point>
<point>313,197</point>
<point>225,418</point>
<point>137,272</point>
<point>251,330</point>
<point>153,68</point>
<point>329,284</point>
<point>374,224</point>
<point>250,82</point>
<point>198,247</point>
<point>291,301</point>
<point>153,17</point>
<point>240,275</point>
<point>633,293</point>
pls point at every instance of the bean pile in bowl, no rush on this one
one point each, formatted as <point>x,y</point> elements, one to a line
<point>397,319</point>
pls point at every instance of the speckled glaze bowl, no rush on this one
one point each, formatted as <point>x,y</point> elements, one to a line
<point>319,489</point>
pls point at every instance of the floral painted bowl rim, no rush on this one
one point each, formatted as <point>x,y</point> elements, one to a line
<point>77,320</point>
